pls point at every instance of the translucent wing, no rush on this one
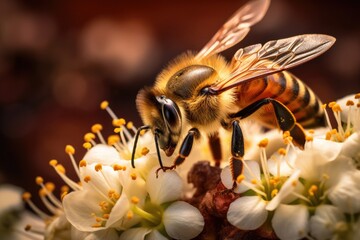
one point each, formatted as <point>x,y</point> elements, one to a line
<point>274,56</point>
<point>236,28</point>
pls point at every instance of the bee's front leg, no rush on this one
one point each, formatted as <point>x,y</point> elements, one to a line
<point>184,151</point>
<point>237,151</point>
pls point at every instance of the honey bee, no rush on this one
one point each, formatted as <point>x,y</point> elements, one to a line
<point>199,93</point>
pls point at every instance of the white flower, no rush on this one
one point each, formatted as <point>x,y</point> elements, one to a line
<point>345,194</point>
<point>104,199</point>
<point>290,221</point>
<point>162,215</point>
<point>327,222</point>
<point>264,192</point>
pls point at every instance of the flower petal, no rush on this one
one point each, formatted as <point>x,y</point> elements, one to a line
<point>345,194</point>
<point>138,233</point>
<point>247,213</point>
<point>166,187</point>
<point>286,189</point>
<point>250,173</point>
<point>183,221</point>
<point>155,235</point>
<point>324,222</point>
<point>108,234</point>
<point>291,221</point>
<point>101,153</point>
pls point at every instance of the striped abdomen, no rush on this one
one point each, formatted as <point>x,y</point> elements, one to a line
<point>289,90</point>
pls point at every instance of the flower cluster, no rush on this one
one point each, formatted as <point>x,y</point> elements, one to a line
<point>284,192</point>
<point>112,200</point>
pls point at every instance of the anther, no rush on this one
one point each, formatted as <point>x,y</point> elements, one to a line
<point>60,168</point>
<point>357,96</point>
<point>350,103</point>
<point>87,179</point>
<point>118,122</point>
<point>87,145</point>
<point>50,186</point>
<point>240,178</point>
<point>130,125</point>
<point>96,128</point>
<point>263,143</point>
<point>144,151</point>
<point>112,139</point>
<point>135,200</point>
<point>89,136</point>
<point>309,138</point>
<point>312,190</point>
<point>282,151</point>
<point>117,167</point>
<point>274,192</point>
<point>26,196</point>
<point>82,163</point>
<point>39,180</point>
<point>133,176</point>
<point>53,162</point>
<point>69,149</point>
<point>104,105</point>
<point>98,167</point>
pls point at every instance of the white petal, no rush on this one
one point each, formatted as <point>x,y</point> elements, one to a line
<point>121,207</point>
<point>351,146</point>
<point>155,235</point>
<point>250,174</point>
<point>135,233</point>
<point>183,221</point>
<point>286,189</point>
<point>345,194</point>
<point>110,234</point>
<point>101,153</point>
<point>10,198</point>
<point>247,213</point>
<point>78,206</point>
<point>166,188</point>
<point>291,221</point>
<point>324,222</point>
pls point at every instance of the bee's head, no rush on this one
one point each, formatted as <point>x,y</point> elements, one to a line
<point>163,116</point>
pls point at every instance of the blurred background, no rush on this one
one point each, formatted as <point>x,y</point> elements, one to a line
<point>60,59</point>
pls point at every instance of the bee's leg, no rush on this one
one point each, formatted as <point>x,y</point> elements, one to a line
<point>285,119</point>
<point>184,151</point>
<point>237,151</point>
<point>215,148</point>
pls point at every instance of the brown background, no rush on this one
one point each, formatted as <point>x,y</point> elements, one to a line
<point>60,59</point>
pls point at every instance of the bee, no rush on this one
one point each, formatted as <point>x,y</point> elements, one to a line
<point>199,93</point>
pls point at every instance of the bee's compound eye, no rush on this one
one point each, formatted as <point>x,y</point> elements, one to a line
<point>171,115</point>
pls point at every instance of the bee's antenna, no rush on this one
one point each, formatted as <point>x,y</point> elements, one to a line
<point>146,127</point>
<point>156,134</point>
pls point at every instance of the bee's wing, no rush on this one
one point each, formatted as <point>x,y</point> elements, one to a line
<point>274,56</point>
<point>236,28</point>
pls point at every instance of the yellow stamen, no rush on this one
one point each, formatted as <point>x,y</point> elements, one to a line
<point>133,176</point>
<point>26,196</point>
<point>263,143</point>
<point>60,168</point>
<point>53,162</point>
<point>64,188</point>
<point>69,149</point>
<point>87,179</point>
<point>282,151</point>
<point>309,138</point>
<point>117,130</point>
<point>50,187</point>
<point>144,151</point>
<point>274,192</point>
<point>117,167</point>
<point>311,131</point>
<point>118,122</point>
<point>312,190</point>
<point>89,136</point>
<point>357,96</point>
<point>142,132</point>
<point>350,103</point>
<point>87,145</point>
<point>254,181</point>
<point>240,178</point>
<point>96,128</point>
<point>106,216</point>
<point>135,200</point>
<point>331,104</point>
<point>130,125</point>
<point>112,139</point>
<point>39,180</point>
<point>98,167</point>
<point>96,225</point>
<point>336,108</point>
<point>104,105</point>
<point>82,163</point>
<point>129,215</point>
<point>323,106</point>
